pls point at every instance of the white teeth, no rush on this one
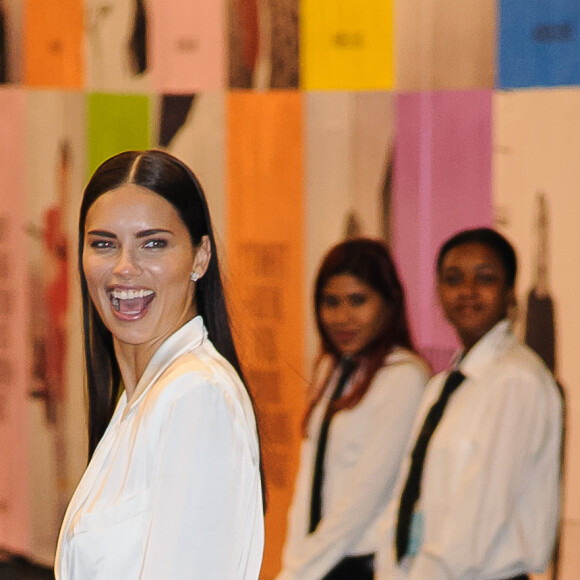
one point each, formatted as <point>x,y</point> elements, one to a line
<point>130,294</point>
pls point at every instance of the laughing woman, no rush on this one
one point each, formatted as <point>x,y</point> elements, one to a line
<point>368,383</point>
<point>173,488</point>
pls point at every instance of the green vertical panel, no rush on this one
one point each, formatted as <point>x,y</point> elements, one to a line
<point>116,123</point>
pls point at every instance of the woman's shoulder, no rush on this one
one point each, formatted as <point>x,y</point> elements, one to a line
<point>404,373</point>
<point>202,374</point>
<point>520,367</point>
<point>401,357</point>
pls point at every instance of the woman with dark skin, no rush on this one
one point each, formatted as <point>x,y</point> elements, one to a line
<point>488,486</point>
<point>173,488</point>
<point>354,440</point>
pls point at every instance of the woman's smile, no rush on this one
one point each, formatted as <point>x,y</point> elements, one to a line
<point>130,303</point>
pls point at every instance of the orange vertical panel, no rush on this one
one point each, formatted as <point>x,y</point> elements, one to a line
<point>265,250</point>
<point>53,43</point>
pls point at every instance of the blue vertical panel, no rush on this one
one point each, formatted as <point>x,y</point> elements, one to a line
<point>539,43</point>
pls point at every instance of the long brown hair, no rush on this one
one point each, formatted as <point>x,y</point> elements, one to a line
<point>170,178</point>
<point>369,261</point>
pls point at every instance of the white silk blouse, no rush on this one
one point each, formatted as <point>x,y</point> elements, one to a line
<point>173,489</point>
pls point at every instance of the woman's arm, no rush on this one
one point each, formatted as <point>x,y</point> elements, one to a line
<point>207,512</point>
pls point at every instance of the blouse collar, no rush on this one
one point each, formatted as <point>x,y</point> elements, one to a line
<point>186,338</point>
<point>486,349</point>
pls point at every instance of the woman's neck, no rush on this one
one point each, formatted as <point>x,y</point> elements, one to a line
<point>133,360</point>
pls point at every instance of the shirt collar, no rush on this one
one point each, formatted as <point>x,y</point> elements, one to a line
<point>477,359</point>
<point>188,337</point>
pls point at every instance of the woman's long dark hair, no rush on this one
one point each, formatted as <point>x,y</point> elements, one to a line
<point>369,261</point>
<point>168,177</point>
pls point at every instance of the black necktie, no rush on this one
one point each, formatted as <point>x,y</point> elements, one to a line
<point>412,487</point>
<point>347,365</point>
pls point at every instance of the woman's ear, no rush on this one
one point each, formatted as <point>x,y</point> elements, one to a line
<point>512,305</point>
<point>202,257</point>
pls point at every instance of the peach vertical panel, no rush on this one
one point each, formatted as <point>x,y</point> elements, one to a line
<point>116,47</point>
<point>53,43</point>
<point>266,249</point>
<point>14,359</point>
<point>348,144</point>
<point>200,142</point>
<point>346,44</point>
<point>445,44</point>
<point>188,45</point>
<point>536,149</point>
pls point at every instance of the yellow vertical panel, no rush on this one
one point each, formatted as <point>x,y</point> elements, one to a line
<point>346,44</point>
<point>265,241</point>
<point>53,43</point>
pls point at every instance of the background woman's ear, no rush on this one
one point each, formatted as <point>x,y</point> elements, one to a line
<point>512,305</point>
<point>202,256</point>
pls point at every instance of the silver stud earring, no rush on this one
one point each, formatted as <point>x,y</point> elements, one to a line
<point>194,276</point>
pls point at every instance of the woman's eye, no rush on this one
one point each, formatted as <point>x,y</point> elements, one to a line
<point>487,279</point>
<point>330,301</point>
<point>358,299</point>
<point>451,279</point>
<point>101,244</point>
<point>155,244</point>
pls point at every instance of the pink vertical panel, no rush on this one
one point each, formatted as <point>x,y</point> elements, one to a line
<point>188,45</point>
<point>14,360</point>
<point>442,184</point>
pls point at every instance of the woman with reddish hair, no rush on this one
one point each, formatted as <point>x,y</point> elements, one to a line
<point>368,382</point>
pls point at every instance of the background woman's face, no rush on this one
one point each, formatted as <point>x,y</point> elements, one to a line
<point>473,291</point>
<point>352,313</point>
<point>137,260</point>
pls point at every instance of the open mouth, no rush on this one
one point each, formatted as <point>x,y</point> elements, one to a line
<point>131,302</point>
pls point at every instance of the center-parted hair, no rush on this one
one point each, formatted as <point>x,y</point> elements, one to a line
<point>168,177</point>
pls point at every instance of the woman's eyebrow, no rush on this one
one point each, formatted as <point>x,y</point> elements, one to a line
<point>101,233</point>
<point>152,232</point>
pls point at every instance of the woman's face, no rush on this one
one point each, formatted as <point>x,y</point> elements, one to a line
<point>473,291</point>
<point>137,260</point>
<point>352,313</point>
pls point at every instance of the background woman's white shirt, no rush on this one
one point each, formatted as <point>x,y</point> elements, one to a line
<point>490,487</point>
<point>363,454</point>
<point>173,489</point>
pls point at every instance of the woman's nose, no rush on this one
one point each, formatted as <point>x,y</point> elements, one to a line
<point>469,287</point>
<point>127,264</point>
<point>341,313</point>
